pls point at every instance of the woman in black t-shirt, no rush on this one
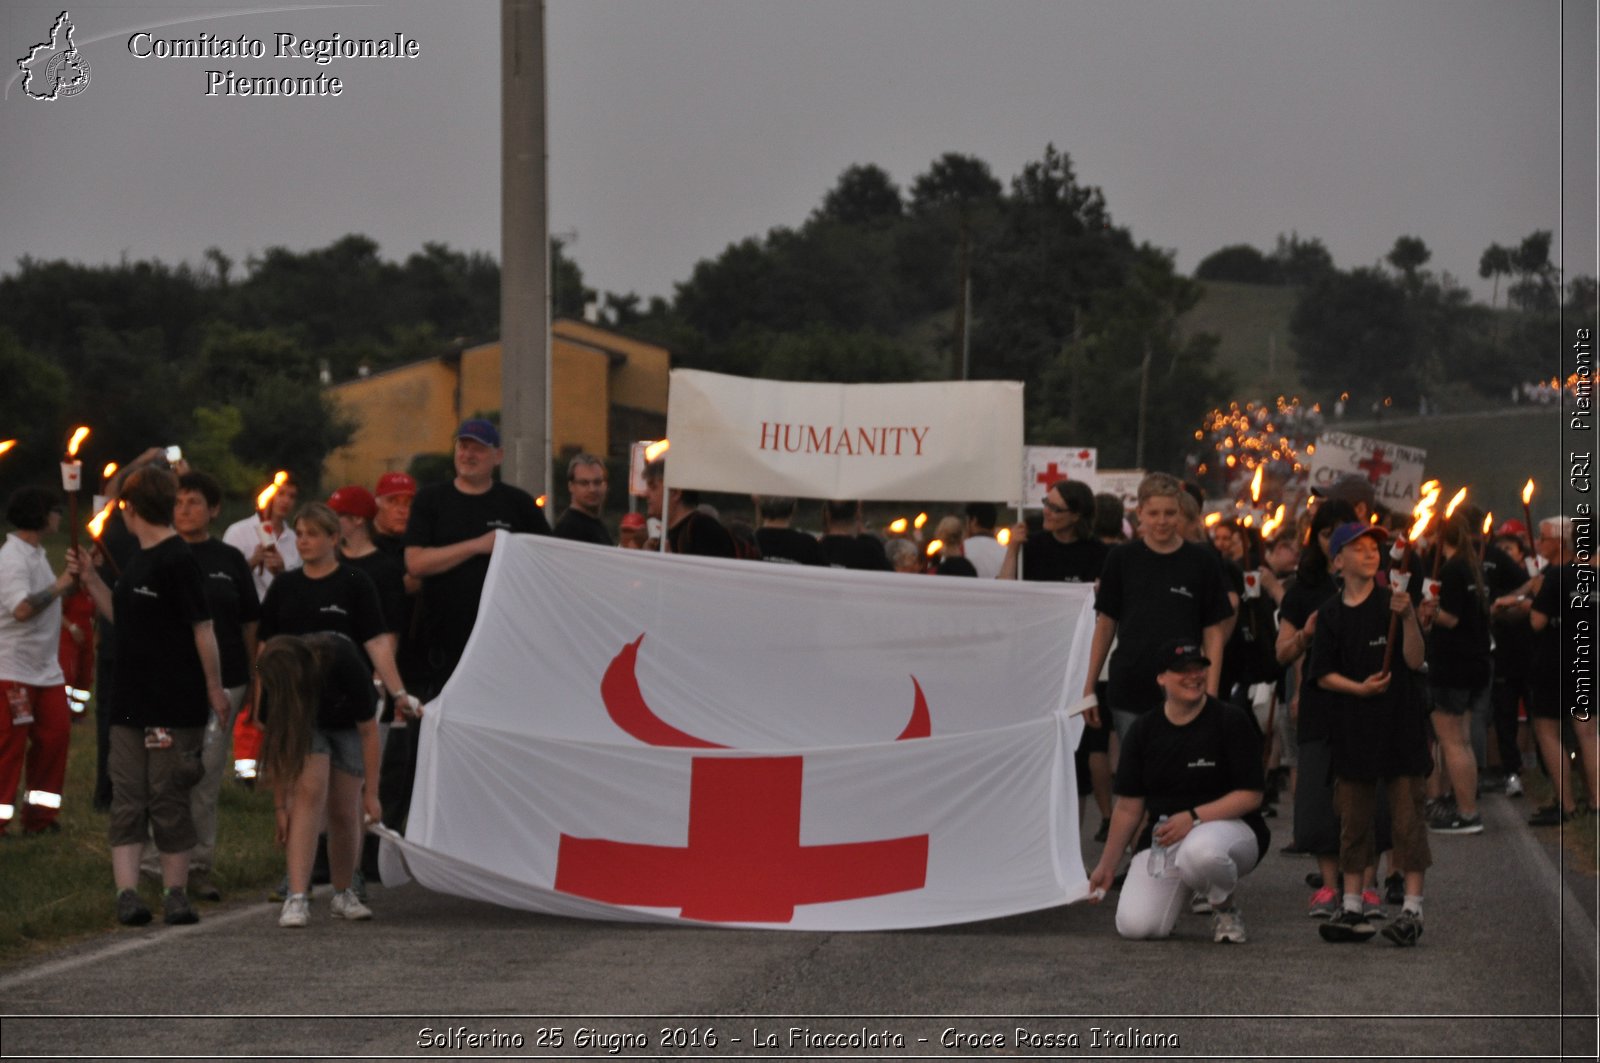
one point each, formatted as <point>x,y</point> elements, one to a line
<point>1194,766</point>
<point>1459,671</point>
<point>317,704</point>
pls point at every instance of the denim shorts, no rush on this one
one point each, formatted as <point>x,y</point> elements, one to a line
<point>342,748</point>
<point>1460,701</point>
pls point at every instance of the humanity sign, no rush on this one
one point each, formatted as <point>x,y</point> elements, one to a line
<point>1394,471</point>
<point>935,441</point>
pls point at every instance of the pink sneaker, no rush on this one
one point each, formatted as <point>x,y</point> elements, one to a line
<point>1324,903</point>
<point>1371,904</point>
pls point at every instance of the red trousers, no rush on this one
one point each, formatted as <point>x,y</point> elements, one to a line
<point>41,746</point>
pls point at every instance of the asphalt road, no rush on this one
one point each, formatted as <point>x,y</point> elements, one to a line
<point>1507,967</point>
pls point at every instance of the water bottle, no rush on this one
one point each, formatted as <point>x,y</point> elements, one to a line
<point>1156,862</point>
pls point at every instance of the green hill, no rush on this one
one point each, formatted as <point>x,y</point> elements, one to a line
<point>1252,322</point>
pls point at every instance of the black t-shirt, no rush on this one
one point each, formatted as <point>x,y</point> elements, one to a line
<point>703,535</point>
<point>159,681</point>
<point>580,527</point>
<point>1458,657</point>
<point>344,601</point>
<point>1513,638</point>
<point>853,551</point>
<point>345,694</point>
<point>231,596</point>
<point>388,578</point>
<point>1175,769</point>
<point>1300,602</point>
<point>1155,598</point>
<point>1049,560</point>
<point>1566,598</point>
<point>1378,737</point>
<point>788,546</point>
<point>441,514</point>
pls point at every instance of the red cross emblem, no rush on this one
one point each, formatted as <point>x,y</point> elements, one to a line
<point>1376,468</point>
<point>743,861</point>
<point>1050,475</point>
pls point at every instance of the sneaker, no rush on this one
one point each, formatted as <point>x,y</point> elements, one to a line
<point>346,905</point>
<point>1437,807</point>
<point>1405,930</point>
<point>201,886</point>
<point>1394,889</point>
<point>175,907</point>
<point>280,892</point>
<point>1513,785</point>
<point>131,911</point>
<point>1371,904</point>
<point>1227,925</point>
<point>1324,903</point>
<point>1347,926</point>
<point>1548,816</point>
<point>1456,823</point>
<point>296,911</point>
<point>1199,905</point>
<point>358,885</point>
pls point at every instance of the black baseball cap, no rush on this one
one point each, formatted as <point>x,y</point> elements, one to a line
<point>1181,655</point>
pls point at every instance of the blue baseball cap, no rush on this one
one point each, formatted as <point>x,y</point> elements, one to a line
<point>1345,534</point>
<point>478,429</point>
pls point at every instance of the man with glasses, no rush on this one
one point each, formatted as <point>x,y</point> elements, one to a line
<point>586,483</point>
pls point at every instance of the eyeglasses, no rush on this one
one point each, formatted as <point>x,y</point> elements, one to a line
<point>589,483</point>
<point>1053,508</point>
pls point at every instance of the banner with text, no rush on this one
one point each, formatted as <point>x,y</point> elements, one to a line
<point>658,737</point>
<point>948,441</point>
<point>1395,471</point>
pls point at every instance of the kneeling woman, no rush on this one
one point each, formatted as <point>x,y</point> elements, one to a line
<point>317,703</point>
<point>1195,768</point>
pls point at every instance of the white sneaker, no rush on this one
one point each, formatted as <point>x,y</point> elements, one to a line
<point>1199,905</point>
<point>296,911</point>
<point>346,905</point>
<point>1227,925</point>
<point>1513,785</point>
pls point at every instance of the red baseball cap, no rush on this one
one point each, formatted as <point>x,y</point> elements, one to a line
<point>396,483</point>
<point>353,501</point>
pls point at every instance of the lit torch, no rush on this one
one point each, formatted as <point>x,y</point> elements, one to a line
<point>899,525</point>
<point>1527,516</point>
<point>269,536</point>
<point>6,445</point>
<point>1255,484</point>
<point>1424,514</point>
<point>1449,511</point>
<point>656,449</point>
<point>72,480</point>
<point>97,528</point>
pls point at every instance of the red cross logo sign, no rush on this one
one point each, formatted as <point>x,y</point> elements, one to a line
<point>743,861</point>
<point>1050,474</point>
<point>1375,467</point>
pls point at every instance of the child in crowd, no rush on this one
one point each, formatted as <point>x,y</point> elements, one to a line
<point>1377,730</point>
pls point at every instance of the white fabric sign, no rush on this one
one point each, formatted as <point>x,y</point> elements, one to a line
<point>1395,471</point>
<point>658,737</point>
<point>1043,466</point>
<point>947,441</point>
<point>1124,483</point>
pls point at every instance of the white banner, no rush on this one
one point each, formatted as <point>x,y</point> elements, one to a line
<point>1043,466</point>
<point>1395,471</point>
<point>938,442</point>
<point>642,736</point>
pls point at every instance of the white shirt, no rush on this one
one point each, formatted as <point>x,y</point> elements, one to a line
<point>29,649</point>
<point>985,553</point>
<point>245,536</point>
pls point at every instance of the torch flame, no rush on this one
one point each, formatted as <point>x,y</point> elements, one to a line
<point>78,436</point>
<point>264,499</point>
<point>1003,536</point>
<point>934,546</point>
<point>1213,519</point>
<point>922,518</point>
<point>1527,492</point>
<point>899,525</point>
<point>539,501</point>
<point>1423,520</point>
<point>1255,484</point>
<point>109,471</point>
<point>1456,500</point>
<point>98,524</point>
<point>1488,521</point>
<point>656,449</point>
<point>6,445</point>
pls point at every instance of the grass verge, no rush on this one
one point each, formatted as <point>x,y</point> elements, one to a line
<point>57,888</point>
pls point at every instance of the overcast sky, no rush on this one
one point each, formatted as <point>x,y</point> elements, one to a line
<point>679,126</point>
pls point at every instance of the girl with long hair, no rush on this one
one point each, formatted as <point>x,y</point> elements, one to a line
<point>1459,673</point>
<point>316,701</point>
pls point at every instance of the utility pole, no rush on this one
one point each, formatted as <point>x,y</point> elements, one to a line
<point>524,248</point>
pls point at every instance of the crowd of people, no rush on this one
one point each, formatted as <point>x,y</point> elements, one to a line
<point>1384,689</point>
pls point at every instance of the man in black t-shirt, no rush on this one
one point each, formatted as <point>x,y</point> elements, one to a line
<point>1562,604</point>
<point>843,544</point>
<point>449,538</point>
<point>777,541</point>
<point>1152,590</point>
<point>689,530</point>
<point>586,483</point>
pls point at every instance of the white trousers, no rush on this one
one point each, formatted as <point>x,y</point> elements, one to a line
<point>1210,860</point>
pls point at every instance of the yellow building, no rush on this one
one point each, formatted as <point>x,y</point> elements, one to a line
<point>607,390</point>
